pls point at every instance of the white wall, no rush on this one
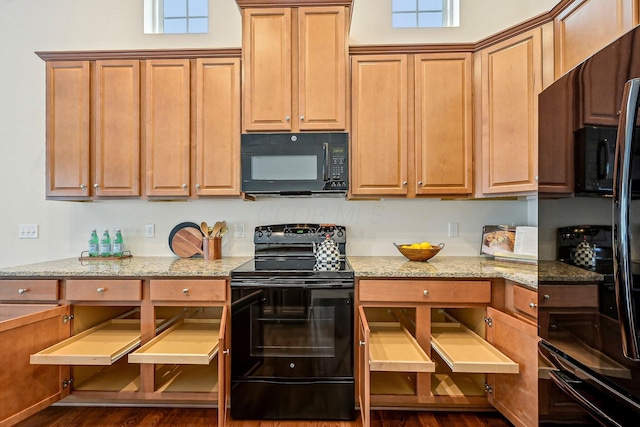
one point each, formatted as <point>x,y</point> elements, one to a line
<point>27,26</point>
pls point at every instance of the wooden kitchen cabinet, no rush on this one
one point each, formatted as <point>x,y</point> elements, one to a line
<point>425,346</point>
<point>295,68</point>
<point>167,131</point>
<point>510,77</point>
<point>93,138</point>
<point>68,129</point>
<point>412,124</point>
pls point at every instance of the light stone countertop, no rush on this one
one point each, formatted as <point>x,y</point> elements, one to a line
<point>363,266</point>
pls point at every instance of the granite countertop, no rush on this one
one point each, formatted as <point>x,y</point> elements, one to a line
<point>128,267</point>
<point>363,266</point>
<point>444,267</point>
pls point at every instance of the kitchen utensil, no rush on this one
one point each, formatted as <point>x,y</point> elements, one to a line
<point>204,228</point>
<point>216,228</point>
<point>211,248</point>
<point>419,254</point>
<point>179,227</point>
<point>187,242</point>
<point>223,229</point>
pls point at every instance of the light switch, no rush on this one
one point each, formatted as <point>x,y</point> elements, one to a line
<point>28,231</point>
<point>453,229</point>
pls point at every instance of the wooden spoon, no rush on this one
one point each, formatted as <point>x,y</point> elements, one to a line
<point>216,228</point>
<point>204,228</point>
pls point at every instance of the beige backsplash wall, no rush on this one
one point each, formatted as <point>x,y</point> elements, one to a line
<point>27,26</point>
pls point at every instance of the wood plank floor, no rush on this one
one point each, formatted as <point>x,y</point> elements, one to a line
<point>59,416</point>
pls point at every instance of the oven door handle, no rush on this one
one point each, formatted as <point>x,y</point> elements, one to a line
<point>622,188</point>
<point>570,386</point>
<point>325,165</point>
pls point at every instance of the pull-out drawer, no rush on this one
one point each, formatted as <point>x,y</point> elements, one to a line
<point>464,351</point>
<point>425,291</point>
<point>565,296</point>
<point>101,345</point>
<point>189,290</point>
<point>29,290</point>
<point>393,349</point>
<point>525,301</point>
<point>103,290</point>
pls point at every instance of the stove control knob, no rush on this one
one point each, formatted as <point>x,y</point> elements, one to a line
<point>340,233</point>
<point>259,233</point>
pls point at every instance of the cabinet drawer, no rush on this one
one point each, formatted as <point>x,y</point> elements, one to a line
<point>525,301</point>
<point>565,296</point>
<point>103,290</point>
<point>425,291</point>
<point>188,290</point>
<point>29,290</point>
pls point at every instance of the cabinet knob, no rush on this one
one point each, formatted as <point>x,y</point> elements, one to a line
<point>419,182</point>
<point>96,186</point>
<point>533,305</point>
<point>225,351</point>
<point>100,290</point>
<point>404,182</point>
<point>546,297</point>
<point>23,290</point>
<point>185,291</point>
<point>362,342</point>
<point>83,186</point>
<point>535,178</point>
<point>301,117</point>
<point>425,292</point>
<point>198,186</point>
<point>287,118</point>
<point>184,186</point>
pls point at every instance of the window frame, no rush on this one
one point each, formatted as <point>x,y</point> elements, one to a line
<point>154,17</point>
<point>450,14</point>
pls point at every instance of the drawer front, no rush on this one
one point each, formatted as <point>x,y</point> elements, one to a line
<point>103,290</point>
<point>425,291</point>
<point>189,290</point>
<point>29,290</point>
<point>568,295</point>
<point>525,301</point>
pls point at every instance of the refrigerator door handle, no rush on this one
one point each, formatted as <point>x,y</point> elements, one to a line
<point>621,230</point>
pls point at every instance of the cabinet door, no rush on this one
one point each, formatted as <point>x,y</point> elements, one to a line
<point>68,100</point>
<point>587,26</point>
<point>364,377</point>
<point>443,123</point>
<point>515,396</point>
<point>322,68</point>
<point>26,388</point>
<point>224,368</point>
<point>379,118</point>
<point>510,84</point>
<point>117,128</point>
<point>217,104</point>
<point>167,127</point>
<point>266,54</point>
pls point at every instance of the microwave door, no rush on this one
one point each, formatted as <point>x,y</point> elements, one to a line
<point>624,226</point>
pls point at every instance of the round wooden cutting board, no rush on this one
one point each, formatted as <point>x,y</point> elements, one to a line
<point>187,242</point>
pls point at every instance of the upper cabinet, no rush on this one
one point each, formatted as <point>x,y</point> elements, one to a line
<point>510,79</point>
<point>295,72</point>
<point>106,113</point>
<point>585,26</point>
<point>412,124</point>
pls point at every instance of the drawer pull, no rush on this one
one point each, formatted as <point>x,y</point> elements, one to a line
<point>425,292</point>
<point>533,305</point>
<point>100,290</point>
<point>185,291</point>
<point>23,290</point>
<point>225,351</point>
<point>546,297</point>
<point>362,342</point>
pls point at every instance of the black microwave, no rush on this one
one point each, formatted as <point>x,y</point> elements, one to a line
<point>300,164</point>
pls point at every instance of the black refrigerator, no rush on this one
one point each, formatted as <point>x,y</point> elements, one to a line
<point>589,173</point>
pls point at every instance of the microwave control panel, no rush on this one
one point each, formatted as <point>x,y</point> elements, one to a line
<point>339,168</point>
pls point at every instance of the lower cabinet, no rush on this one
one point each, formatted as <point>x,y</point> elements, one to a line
<point>438,344</point>
<point>155,341</point>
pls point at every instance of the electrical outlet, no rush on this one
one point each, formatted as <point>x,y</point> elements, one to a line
<point>240,230</point>
<point>453,229</point>
<point>28,231</point>
<point>149,230</point>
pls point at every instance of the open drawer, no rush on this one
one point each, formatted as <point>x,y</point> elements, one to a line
<point>188,342</point>
<point>393,349</point>
<point>103,344</point>
<point>464,351</point>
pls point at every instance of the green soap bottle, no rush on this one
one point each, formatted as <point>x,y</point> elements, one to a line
<point>118,244</point>
<point>105,244</point>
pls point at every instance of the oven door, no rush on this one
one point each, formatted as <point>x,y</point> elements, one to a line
<point>292,332</point>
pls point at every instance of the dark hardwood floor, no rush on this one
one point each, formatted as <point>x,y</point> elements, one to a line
<point>59,416</point>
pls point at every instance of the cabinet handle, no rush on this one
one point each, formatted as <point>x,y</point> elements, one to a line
<point>100,290</point>
<point>301,117</point>
<point>419,182</point>
<point>23,290</point>
<point>185,291</point>
<point>225,351</point>
<point>425,292</point>
<point>287,118</point>
<point>404,182</point>
<point>83,186</point>
<point>198,186</point>
<point>96,186</point>
<point>362,342</point>
<point>533,305</point>
<point>184,186</point>
<point>546,297</point>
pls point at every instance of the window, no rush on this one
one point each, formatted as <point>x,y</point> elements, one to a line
<point>176,16</point>
<point>425,13</point>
